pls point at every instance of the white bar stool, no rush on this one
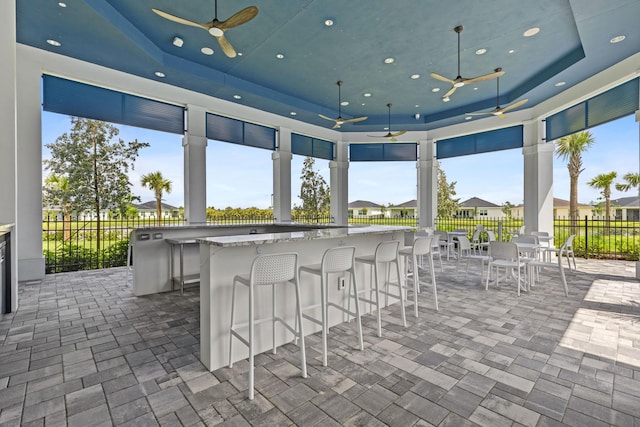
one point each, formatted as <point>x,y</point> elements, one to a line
<point>334,261</point>
<point>421,246</point>
<point>129,259</point>
<point>386,254</point>
<point>267,270</point>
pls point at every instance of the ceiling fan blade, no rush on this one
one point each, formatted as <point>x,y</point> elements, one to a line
<point>514,105</point>
<point>400,132</point>
<point>179,20</point>
<point>355,119</point>
<point>226,46</point>
<point>450,92</point>
<point>393,139</point>
<point>480,113</point>
<point>501,115</point>
<point>245,15</point>
<point>484,77</point>
<point>441,78</point>
<point>326,118</point>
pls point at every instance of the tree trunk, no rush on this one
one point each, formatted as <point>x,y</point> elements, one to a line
<point>573,205</point>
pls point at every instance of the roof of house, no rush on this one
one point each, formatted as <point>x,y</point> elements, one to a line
<point>476,202</point>
<point>363,204</point>
<point>410,204</point>
<point>560,203</point>
<point>152,205</point>
<point>626,202</point>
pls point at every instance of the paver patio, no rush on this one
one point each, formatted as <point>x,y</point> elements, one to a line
<point>83,351</point>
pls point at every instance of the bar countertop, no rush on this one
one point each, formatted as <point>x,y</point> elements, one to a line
<point>322,233</point>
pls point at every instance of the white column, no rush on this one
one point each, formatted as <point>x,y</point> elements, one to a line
<point>195,166</point>
<point>282,177</point>
<point>638,121</point>
<point>339,184</point>
<point>427,184</point>
<point>538,179</point>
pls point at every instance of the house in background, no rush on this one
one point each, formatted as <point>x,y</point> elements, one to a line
<point>560,209</point>
<point>149,210</point>
<point>479,208</point>
<point>626,209</point>
<point>365,209</point>
<point>404,210</point>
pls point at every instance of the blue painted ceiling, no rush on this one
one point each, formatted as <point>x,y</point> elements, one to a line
<point>573,44</point>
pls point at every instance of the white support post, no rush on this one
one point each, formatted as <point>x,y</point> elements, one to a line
<point>195,166</point>
<point>339,184</point>
<point>282,177</point>
<point>538,179</point>
<point>638,121</point>
<point>427,184</point>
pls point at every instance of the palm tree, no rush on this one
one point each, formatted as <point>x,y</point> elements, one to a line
<point>156,182</point>
<point>570,148</point>
<point>632,181</point>
<point>603,182</point>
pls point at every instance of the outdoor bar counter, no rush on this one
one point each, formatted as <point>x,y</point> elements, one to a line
<point>222,257</point>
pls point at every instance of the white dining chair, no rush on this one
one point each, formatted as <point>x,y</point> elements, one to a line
<point>567,251</point>
<point>535,267</point>
<point>506,255</point>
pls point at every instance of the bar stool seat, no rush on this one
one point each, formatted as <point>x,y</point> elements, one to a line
<point>386,254</point>
<point>267,270</point>
<point>334,261</point>
<point>422,246</point>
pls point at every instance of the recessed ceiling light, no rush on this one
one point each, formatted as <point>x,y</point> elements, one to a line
<point>328,22</point>
<point>363,104</point>
<point>366,94</point>
<point>207,51</point>
<point>617,39</point>
<point>475,88</point>
<point>385,128</point>
<point>239,53</point>
<point>279,56</point>
<point>481,51</point>
<point>560,84</point>
<point>237,96</point>
<point>344,103</point>
<point>531,32</point>
<point>53,42</point>
<point>417,105</point>
<point>389,60</point>
<point>468,118</point>
<point>62,4</point>
<point>159,74</point>
<point>415,76</point>
<point>435,89</point>
<point>447,99</point>
<point>293,113</point>
<point>177,42</point>
<point>511,51</point>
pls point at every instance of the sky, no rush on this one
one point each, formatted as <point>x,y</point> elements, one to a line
<point>240,176</point>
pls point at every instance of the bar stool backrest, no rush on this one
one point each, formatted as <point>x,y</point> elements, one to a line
<point>422,245</point>
<point>526,238</point>
<point>338,259</point>
<point>464,243</point>
<point>274,268</point>
<point>387,251</point>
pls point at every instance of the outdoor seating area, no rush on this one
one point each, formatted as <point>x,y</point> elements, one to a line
<point>83,350</point>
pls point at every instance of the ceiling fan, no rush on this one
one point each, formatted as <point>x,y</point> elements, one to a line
<point>339,121</point>
<point>215,27</point>
<point>391,135</point>
<point>460,81</point>
<point>499,111</point>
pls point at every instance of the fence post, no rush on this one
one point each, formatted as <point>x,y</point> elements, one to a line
<point>586,237</point>
<point>499,230</point>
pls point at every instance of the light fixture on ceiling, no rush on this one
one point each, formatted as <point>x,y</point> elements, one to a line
<point>367,94</point>
<point>62,4</point>
<point>206,51</point>
<point>328,22</point>
<point>435,89</point>
<point>416,116</point>
<point>293,113</point>
<point>177,42</point>
<point>344,103</point>
<point>53,42</point>
<point>481,51</point>
<point>468,118</point>
<point>239,53</point>
<point>617,39</point>
<point>415,76</point>
<point>511,51</point>
<point>237,97</point>
<point>446,99</point>
<point>417,105</point>
<point>160,74</point>
<point>389,60</point>
<point>531,32</point>
<point>560,84</point>
<point>475,88</point>
<point>279,56</point>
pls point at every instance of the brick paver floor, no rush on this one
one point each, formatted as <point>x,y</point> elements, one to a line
<point>82,350</point>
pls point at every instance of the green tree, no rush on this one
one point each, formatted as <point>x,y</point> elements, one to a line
<point>159,184</point>
<point>632,180</point>
<point>314,192</point>
<point>447,205</point>
<point>56,194</point>
<point>96,167</point>
<point>570,148</point>
<point>506,209</point>
<point>603,183</point>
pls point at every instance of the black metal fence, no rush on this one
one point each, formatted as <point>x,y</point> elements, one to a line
<point>80,244</point>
